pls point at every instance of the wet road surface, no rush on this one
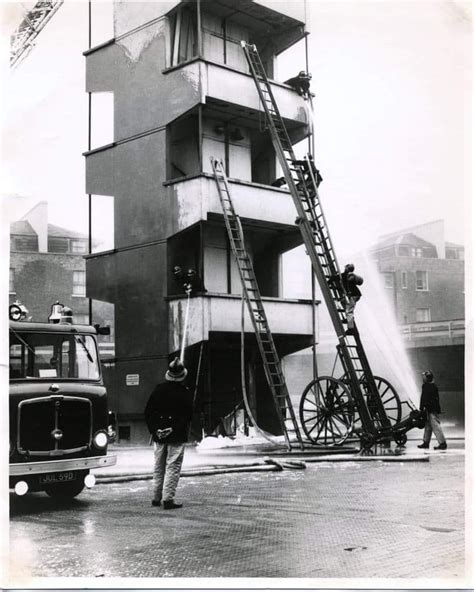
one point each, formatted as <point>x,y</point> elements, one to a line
<point>344,520</point>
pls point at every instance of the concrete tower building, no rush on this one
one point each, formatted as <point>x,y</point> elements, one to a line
<point>183,93</point>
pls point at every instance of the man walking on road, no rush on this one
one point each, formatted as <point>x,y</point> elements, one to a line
<point>168,415</point>
<point>429,403</point>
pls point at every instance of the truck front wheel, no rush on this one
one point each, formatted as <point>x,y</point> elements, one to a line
<point>66,490</point>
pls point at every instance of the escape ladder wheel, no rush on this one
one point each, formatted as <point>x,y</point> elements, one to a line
<point>390,400</point>
<point>388,395</point>
<point>326,411</point>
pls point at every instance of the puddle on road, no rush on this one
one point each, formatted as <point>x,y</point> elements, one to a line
<point>438,529</point>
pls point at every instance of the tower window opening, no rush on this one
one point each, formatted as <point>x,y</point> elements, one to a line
<point>183,25</point>
<point>184,148</point>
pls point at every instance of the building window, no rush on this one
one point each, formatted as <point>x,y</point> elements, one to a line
<point>78,246</point>
<point>12,281</point>
<point>58,245</point>
<point>183,26</point>
<point>416,252</point>
<point>454,253</point>
<point>184,147</point>
<point>423,315</point>
<point>79,283</point>
<point>403,252</point>
<point>404,278</point>
<point>422,280</point>
<point>24,243</point>
<point>389,280</point>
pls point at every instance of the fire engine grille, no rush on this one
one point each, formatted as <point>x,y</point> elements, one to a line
<point>67,418</point>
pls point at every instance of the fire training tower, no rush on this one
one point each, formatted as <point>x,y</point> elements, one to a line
<point>183,95</point>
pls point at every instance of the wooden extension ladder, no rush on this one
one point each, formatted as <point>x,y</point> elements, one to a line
<point>271,362</point>
<point>300,175</point>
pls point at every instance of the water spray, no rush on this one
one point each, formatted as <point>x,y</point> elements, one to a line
<point>185,330</point>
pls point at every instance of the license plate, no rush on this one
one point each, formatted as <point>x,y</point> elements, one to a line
<point>57,477</point>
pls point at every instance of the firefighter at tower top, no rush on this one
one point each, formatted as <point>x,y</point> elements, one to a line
<point>351,283</point>
<point>301,84</point>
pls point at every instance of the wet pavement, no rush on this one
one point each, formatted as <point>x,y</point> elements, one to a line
<point>346,519</point>
<point>214,457</point>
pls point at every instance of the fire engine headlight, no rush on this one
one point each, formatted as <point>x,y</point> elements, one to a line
<point>89,480</point>
<point>21,488</point>
<point>100,439</point>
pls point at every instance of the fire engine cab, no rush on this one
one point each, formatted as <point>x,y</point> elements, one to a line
<point>58,404</point>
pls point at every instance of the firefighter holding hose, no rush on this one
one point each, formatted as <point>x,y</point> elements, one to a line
<point>168,415</point>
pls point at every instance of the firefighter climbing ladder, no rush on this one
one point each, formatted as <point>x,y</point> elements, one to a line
<point>300,177</point>
<point>253,299</point>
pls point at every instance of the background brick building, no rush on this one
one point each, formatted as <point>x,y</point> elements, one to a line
<point>46,265</point>
<point>424,274</point>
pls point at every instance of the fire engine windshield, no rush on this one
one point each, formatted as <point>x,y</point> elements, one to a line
<point>53,355</point>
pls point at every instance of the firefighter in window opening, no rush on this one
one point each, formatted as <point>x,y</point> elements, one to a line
<point>350,283</point>
<point>190,281</point>
<point>301,84</point>
<point>193,283</point>
<point>178,278</point>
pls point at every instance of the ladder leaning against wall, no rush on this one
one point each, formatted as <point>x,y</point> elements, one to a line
<point>251,293</point>
<point>301,179</point>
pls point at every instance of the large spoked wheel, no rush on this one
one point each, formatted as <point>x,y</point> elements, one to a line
<point>389,397</point>
<point>390,400</point>
<point>326,411</point>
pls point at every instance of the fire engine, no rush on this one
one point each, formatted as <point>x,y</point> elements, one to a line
<point>58,404</point>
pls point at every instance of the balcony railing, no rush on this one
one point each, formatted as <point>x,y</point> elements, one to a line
<point>447,329</point>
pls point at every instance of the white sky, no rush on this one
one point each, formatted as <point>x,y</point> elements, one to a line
<point>392,117</point>
<point>392,111</point>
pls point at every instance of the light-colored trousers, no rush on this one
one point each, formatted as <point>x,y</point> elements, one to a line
<point>350,306</point>
<point>433,425</point>
<point>168,463</point>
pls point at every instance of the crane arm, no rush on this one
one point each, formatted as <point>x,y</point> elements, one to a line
<point>34,21</point>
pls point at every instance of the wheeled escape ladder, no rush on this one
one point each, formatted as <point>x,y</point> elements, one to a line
<point>300,177</point>
<point>271,362</point>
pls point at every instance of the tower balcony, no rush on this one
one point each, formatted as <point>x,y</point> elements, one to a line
<point>218,83</point>
<point>290,321</point>
<point>197,199</point>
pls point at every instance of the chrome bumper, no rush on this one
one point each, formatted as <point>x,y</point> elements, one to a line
<point>54,466</point>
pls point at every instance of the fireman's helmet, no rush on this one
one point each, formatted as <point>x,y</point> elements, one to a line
<point>176,371</point>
